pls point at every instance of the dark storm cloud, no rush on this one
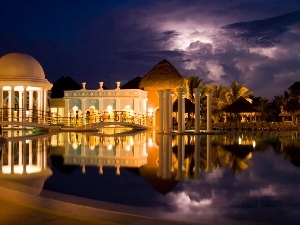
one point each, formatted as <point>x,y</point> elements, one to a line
<point>264,33</point>
<point>119,40</point>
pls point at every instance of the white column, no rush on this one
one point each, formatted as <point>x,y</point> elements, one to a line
<point>30,106</point>
<point>45,95</point>
<point>170,112</point>
<point>209,124</point>
<point>12,103</point>
<point>1,97</point>
<point>1,102</point>
<point>118,103</point>
<point>67,110</point>
<point>40,103</point>
<point>83,106</point>
<point>181,109</point>
<point>24,104</point>
<point>167,110</point>
<point>197,93</point>
<point>160,94</point>
<point>21,105</point>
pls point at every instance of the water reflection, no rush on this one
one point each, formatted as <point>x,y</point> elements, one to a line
<point>91,149</point>
<point>251,176</point>
<point>24,154</point>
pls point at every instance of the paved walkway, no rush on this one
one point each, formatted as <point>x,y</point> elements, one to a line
<point>21,204</point>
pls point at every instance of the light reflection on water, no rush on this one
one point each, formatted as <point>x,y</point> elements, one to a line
<point>251,176</point>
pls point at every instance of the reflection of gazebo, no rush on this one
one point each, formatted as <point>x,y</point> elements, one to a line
<point>242,110</point>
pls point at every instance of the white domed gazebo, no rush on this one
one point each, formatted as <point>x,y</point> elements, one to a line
<point>23,89</point>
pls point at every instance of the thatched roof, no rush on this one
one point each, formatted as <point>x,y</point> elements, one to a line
<point>239,106</point>
<point>162,75</point>
<point>132,84</point>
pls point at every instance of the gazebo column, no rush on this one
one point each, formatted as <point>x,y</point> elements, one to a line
<point>209,124</point>
<point>181,109</point>
<point>197,93</point>
<point>1,103</point>
<point>24,104</point>
<point>45,95</point>
<point>30,106</point>
<point>160,94</point>
<point>21,105</point>
<point>40,104</point>
<point>11,105</point>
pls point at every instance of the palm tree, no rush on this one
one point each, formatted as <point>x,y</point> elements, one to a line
<point>189,84</point>
<point>266,110</point>
<point>218,100</point>
<point>292,106</point>
<point>236,91</point>
<point>277,105</point>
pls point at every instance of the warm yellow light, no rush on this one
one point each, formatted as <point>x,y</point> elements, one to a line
<point>74,145</point>
<point>109,146</point>
<point>150,112</point>
<point>131,141</point>
<point>131,113</point>
<point>150,142</point>
<point>109,108</point>
<point>253,144</point>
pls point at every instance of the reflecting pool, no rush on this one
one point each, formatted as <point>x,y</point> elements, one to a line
<point>252,177</point>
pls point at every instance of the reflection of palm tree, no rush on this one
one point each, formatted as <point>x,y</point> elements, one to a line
<point>236,91</point>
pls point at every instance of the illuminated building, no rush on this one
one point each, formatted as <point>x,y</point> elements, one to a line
<point>23,89</point>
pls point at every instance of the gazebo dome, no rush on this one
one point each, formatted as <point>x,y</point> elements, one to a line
<point>18,66</point>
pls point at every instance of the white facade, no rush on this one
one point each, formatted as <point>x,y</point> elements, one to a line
<point>91,106</point>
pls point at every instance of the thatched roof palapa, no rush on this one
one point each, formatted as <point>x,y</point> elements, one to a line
<point>162,75</point>
<point>241,105</point>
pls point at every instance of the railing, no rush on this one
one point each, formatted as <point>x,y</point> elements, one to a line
<point>21,115</point>
<point>115,116</point>
<point>42,117</point>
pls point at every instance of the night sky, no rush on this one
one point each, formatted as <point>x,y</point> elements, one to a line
<point>256,43</point>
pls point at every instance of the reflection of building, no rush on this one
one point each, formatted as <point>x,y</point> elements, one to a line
<point>24,156</point>
<point>94,150</point>
<point>23,89</point>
